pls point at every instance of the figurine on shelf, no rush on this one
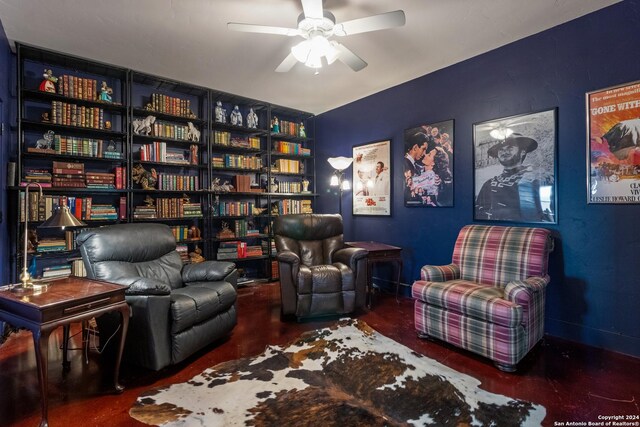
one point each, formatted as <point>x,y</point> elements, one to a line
<point>302,133</point>
<point>273,186</point>
<point>220,113</point>
<point>46,118</point>
<point>193,134</point>
<point>194,233</point>
<point>275,125</point>
<point>255,211</point>
<point>146,179</point>
<point>32,240</point>
<point>149,106</point>
<point>305,185</point>
<point>49,82</point>
<point>111,147</point>
<point>107,125</point>
<point>105,93</point>
<point>149,202</point>
<point>252,119</point>
<point>196,256</point>
<point>186,199</point>
<point>227,187</point>
<point>143,126</point>
<point>236,117</point>
<point>216,186</point>
<point>46,142</point>
<point>191,115</point>
<point>226,232</point>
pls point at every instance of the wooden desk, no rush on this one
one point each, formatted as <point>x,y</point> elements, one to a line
<point>65,301</point>
<point>380,252</point>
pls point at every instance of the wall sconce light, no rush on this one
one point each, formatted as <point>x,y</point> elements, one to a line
<point>61,218</point>
<point>337,179</point>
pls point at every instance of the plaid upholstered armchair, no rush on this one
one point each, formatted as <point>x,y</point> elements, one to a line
<point>490,299</point>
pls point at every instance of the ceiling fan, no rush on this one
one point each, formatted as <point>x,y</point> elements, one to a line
<point>317,26</point>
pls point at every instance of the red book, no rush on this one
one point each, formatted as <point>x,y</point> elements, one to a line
<point>78,210</point>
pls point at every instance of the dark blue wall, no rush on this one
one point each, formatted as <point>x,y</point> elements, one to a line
<point>7,104</point>
<point>595,289</point>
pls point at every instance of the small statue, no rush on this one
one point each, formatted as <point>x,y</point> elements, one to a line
<point>305,185</point>
<point>194,233</point>
<point>225,232</point>
<point>196,255</point>
<point>216,186</point>
<point>149,107</point>
<point>302,133</point>
<point>111,147</point>
<point>193,134</point>
<point>227,187</point>
<point>186,199</point>
<point>236,117</point>
<point>191,114</point>
<point>49,82</point>
<point>107,125</point>
<point>275,125</point>
<point>46,118</point>
<point>255,211</point>
<point>252,119</point>
<point>32,240</point>
<point>149,202</point>
<point>46,142</point>
<point>144,126</point>
<point>273,185</point>
<point>105,93</point>
<point>220,113</point>
<point>146,179</point>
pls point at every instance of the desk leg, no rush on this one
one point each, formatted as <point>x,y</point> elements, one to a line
<point>66,365</point>
<point>399,267</point>
<point>41,347</point>
<point>124,313</point>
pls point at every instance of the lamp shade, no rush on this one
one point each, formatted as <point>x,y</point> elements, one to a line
<point>340,163</point>
<point>62,218</point>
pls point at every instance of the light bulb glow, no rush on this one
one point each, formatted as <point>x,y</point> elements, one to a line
<point>346,185</point>
<point>334,181</point>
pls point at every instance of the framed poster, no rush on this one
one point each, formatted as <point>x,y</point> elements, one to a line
<point>372,178</point>
<point>514,164</point>
<point>428,165</point>
<point>613,162</point>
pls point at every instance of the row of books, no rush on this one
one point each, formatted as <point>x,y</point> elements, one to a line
<point>168,208</point>
<point>291,148</point>
<point>236,161</point>
<point>163,129</point>
<point>225,139</point>
<point>83,208</point>
<point>77,87</point>
<point>51,244</point>
<point>291,128</point>
<point>72,175</point>
<point>287,166</point>
<point>237,249</point>
<point>234,208</point>
<point>102,180</point>
<point>88,147</point>
<point>181,232</point>
<point>63,113</point>
<point>241,229</point>
<point>178,182</point>
<point>242,183</point>
<point>289,187</point>
<point>269,246</point>
<point>170,105</point>
<point>290,206</point>
<point>57,271</point>
<point>158,152</point>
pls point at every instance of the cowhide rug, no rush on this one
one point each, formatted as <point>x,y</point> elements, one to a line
<point>345,375</point>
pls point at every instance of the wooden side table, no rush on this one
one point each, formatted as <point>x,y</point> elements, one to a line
<point>65,301</point>
<point>380,252</point>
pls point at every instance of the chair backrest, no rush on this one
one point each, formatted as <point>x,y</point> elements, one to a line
<point>313,237</point>
<point>131,250</point>
<point>495,255</point>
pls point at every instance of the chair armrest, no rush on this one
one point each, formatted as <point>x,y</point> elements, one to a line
<point>143,286</point>
<point>207,271</point>
<point>350,256</point>
<point>288,257</point>
<point>440,273</point>
<point>522,291</point>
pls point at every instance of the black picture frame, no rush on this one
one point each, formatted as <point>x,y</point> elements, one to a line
<point>372,179</point>
<point>428,165</point>
<point>514,168</point>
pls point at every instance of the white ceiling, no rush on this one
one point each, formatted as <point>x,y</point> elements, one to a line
<point>187,40</point>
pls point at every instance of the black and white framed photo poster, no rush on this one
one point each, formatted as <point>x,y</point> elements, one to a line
<point>428,165</point>
<point>372,178</point>
<point>514,161</point>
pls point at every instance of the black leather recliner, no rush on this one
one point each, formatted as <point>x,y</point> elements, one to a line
<point>175,310</point>
<point>318,274</point>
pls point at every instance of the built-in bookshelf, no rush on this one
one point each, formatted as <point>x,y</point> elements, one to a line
<point>116,145</point>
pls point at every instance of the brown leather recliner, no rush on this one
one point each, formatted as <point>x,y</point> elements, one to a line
<point>318,274</point>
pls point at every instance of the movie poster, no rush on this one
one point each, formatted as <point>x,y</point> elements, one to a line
<point>613,132</point>
<point>372,179</point>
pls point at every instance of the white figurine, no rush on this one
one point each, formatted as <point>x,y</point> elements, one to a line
<point>252,119</point>
<point>220,113</point>
<point>193,134</point>
<point>236,117</point>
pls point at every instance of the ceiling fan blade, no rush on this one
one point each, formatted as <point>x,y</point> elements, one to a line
<point>312,9</point>
<point>370,23</point>
<point>265,29</point>
<point>351,59</point>
<point>287,64</point>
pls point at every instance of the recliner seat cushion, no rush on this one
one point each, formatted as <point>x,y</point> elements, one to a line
<point>469,299</point>
<point>198,302</point>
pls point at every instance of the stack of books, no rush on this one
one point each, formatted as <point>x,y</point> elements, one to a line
<point>183,250</point>
<point>68,175</point>
<point>266,246</point>
<point>254,250</point>
<point>144,212</point>
<point>41,176</point>
<point>103,213</point>
<point>77,268</point>
<point>102,180</point>
<point>51,245</point>
<point>230,250</point>
<point>56,271</point>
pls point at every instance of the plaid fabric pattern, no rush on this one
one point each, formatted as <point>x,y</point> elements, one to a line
<point>490,299</point>
<point>440,273</point>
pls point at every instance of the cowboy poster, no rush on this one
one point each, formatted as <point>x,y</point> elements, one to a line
<point>515,168</point>
<point>613,131</point>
